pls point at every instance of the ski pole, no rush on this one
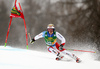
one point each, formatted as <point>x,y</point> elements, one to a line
<point>29,36</point>
<point>81,50</point>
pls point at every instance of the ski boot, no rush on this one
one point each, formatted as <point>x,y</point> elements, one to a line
<point>76,58</point>
<point>59,57</point>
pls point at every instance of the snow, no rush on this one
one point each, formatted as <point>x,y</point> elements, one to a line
<point>14,58</point>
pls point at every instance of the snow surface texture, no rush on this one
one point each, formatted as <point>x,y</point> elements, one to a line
<point>14,58</point>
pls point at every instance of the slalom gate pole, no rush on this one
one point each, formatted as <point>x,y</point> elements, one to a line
<point>15,1</point>
<point>20,6</point>
<point>17,16</point>
<point>8,32</point>
<point>81,50</point>
<point>25,27</point>
<point>26,34</point>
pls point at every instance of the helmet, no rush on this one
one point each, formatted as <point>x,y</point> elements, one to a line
<point>50,26</point>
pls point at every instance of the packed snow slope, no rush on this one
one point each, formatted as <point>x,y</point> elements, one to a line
<point>14,58</point>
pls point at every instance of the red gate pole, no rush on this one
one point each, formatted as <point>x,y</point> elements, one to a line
<point>26,34</point>
<point>8,31</point>
<point>25,26</point>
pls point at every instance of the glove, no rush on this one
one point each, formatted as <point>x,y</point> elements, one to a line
<point>61,47</point>
<point>32,41</point>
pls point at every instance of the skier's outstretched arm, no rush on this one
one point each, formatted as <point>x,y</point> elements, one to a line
<point>60,37</point>
<point>41,35</point>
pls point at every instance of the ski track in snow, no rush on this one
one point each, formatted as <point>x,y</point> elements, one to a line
<point>14,58</point>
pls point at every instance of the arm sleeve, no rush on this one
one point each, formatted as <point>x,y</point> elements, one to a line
<point>60,37</point>
<point>41,35</point>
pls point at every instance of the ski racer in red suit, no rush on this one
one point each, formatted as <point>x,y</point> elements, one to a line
<point>50,37</point>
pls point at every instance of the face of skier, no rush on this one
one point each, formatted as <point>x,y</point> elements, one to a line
<point>50,31</point>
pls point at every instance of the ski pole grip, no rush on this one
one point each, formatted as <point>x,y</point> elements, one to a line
<point>29,36</point>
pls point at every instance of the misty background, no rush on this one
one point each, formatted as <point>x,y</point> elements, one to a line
<point>77,20</point>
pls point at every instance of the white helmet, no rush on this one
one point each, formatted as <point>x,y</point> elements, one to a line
<point>50,26</point>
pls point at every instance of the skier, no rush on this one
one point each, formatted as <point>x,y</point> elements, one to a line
<point>50,37</point>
